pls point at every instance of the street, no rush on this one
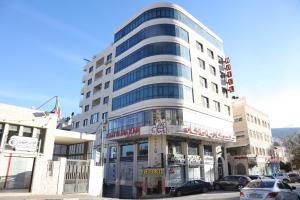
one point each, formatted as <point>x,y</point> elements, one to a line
<point>220,195</point>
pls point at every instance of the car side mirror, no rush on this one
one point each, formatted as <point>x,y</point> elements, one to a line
<point>293,188</point>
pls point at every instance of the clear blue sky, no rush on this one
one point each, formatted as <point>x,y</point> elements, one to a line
<point>42,44</point>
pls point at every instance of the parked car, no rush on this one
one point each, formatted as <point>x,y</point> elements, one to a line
<point>282,176</point>
<point>194,186</point>
<point>294,177</point>
<point>231,182</point>
<point>254,177</point>
<point>270,189</point>
<point>270,176</point>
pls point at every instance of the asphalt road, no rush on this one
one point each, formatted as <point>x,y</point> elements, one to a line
<point>221,195</point>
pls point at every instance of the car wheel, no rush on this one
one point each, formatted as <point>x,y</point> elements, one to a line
<point>178,193</point>
<point>217,187</point>
<point>205,189</point>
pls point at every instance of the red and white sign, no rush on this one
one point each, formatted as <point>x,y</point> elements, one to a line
<point>124,133</point>
<point>212,134</point>
<point>228,74</point>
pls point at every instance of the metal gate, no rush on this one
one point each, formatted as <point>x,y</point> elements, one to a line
<point>18,173</point>
<point>77,176</point>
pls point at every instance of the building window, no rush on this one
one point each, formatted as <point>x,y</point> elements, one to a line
<point>86,108</point>
<point>108,70</point>
<point>89,81</point>
<point>98,75</point>
<point>108,58</point>
<point>193,149</point>
<point>214,87</point>
<point>105,100</point>
<point>153,91</point>
<point>205,101</point>
<point>163,68</point>
<point>199,46</point>
<point>1,131</point>
<point>127,150</point>
<point>220,60</point>
<point>212,70</point>
<point>99,62</point>
<point>152,31</point>
<point>27,131</point>
<point>210,53</point>
<point>96,102</point>
<point>159,48</point>
<point>113,152</point>
<point>217,106</point>
<point>238,119</point>
<point>88,94</point>
<point>104,116</point>
<point>174,147</point>
<point>225,92</point>
<point>143,149</point>
<point>106,85</point>
<point>203,82</point>
<point>207,150</point>
<point>94,118</point>
<point>227,110</point>
<point>77,125</point>
<point>97,88</point>
<point>91,69</point>
<point>201,63</point>
<point>85,122</point>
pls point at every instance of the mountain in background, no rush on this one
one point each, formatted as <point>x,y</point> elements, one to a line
<point>283,132</point>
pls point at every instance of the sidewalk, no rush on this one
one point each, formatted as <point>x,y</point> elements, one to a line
<point>28,196</point>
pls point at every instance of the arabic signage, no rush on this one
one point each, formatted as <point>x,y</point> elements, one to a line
<point>124,133</point>
<point>213,134</point>
<point>159,128</point>
<point>228,73</point>
<point>176,159</point>
<point>153,172</point>
<point>20,143</point>
<point>194,160</point>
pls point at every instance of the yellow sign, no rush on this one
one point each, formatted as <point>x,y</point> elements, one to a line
<point>153,172</point>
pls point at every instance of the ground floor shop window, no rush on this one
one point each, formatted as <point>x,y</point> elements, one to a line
<point>174,147</point>
<point>193,149</point>
<point>207,150</point>
<point>127,151</point>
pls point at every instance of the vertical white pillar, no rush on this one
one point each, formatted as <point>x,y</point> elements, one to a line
<point>185,152</point>
<point>20,133</point>
<point>214,152</point>
<point>225,164</point>
<point>61,176</point>
<point>135,170</point>
<point>4,136</point>
<point>117,185</point>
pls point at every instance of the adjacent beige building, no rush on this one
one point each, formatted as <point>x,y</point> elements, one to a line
<point>253,148</point>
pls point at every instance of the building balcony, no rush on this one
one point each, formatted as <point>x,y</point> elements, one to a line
<point>82,91</point>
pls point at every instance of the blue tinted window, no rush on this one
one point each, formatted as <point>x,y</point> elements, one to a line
<point>153,69</point>
<point>160,48</point>
<point>152,31</point>
<point>153,91</point>
<point>165,12</point>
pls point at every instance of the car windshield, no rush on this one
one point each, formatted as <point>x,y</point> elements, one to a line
<point>293,175</point>
<point>261,184</point>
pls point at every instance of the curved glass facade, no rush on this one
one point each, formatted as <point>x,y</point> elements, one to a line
<point>146,118</point>
<point>159,48</point>
<point>153,91</point>
<point>165,12</point>
<point>152,31</point>
<point>163,68</point>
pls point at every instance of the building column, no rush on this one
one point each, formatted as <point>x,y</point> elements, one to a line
<point>185,152</point>
<point>201,154</point>
<point>117,185</point>
<point>135,170</point>
<point>20,133</point>
<point>214,154</point>
<point>225,164</point>
<point>4,136</point>
<point>164,146</point>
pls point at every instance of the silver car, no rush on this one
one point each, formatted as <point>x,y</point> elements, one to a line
<point>270,189</point>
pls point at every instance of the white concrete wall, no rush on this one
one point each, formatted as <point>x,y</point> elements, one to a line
<point>96,180</point>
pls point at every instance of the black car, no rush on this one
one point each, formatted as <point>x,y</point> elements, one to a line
<point>294,177</point>
<point>194,186</point>
<point>231,182</point>
<point>254,177</point>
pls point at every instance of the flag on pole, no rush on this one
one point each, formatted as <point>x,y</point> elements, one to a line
<point>57,109</point>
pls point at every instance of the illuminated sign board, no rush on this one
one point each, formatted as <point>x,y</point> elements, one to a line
<point>153,172</point>
<point>228,74</point>
<point>124,133</point>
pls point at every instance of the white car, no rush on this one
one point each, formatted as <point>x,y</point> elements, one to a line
<point>271,189</point>
<point>282,176</point>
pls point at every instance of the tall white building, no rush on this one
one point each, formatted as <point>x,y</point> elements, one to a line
<point>159,94</point>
